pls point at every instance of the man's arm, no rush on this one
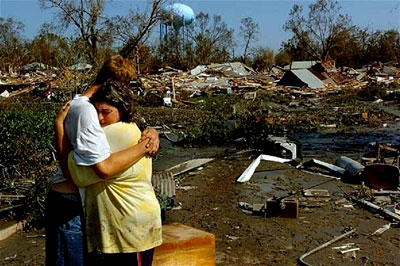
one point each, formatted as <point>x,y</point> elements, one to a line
<point>63,147</point>
<point>122,160</point>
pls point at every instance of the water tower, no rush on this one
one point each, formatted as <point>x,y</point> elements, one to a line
<point>176,17</point>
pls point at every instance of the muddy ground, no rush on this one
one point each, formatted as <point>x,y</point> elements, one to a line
<point>209,197</point>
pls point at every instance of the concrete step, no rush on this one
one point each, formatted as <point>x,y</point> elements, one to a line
<point>7,228</point>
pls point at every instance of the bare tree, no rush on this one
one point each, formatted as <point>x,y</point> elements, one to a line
<point>207,40</point>
<point>212,39</point>
<point>136,27</point>
<point>263,59</point>
<point>318,33</point>
<point>12,48</point>
<point>249,31</point>
<point>95,29</point>
<point>86,17</point>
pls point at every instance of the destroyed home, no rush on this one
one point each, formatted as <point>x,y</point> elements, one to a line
<point>309,74</point>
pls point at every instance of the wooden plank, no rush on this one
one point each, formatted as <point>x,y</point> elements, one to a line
<point>10,208</point>
<point>11,197</point>
<point>187,166</point>
<point>317,193</point>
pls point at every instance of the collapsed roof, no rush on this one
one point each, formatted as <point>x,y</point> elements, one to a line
<point>235,69</point>
<point>301,78</point>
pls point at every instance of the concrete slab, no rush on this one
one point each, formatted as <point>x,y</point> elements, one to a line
<point>10,228</point>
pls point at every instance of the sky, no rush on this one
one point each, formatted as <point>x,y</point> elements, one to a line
<point>269,14</point>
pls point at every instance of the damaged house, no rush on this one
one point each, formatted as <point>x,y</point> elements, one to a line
<point>311,74</point>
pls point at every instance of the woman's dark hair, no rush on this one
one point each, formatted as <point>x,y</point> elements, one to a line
<point>118,95</point>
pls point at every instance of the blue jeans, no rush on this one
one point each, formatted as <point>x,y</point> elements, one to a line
<point>65,241</point>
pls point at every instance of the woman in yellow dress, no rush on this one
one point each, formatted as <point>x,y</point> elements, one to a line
<point>123,217</point>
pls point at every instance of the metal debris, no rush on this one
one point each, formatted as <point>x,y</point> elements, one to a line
<point>384,228</point>
<point>301,259</point>
<point>333,169</point>
<point>247,174</point>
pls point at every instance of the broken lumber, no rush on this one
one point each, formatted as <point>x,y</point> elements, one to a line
<point>187,166</point>
<point>382,211</point>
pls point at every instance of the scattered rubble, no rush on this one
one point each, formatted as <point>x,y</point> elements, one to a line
<point>283,104</point>
<point>303,96</point>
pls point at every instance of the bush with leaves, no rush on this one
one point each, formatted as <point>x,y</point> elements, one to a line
<point>215,120</point>
<point>372,92</point>
<point>26,156</point>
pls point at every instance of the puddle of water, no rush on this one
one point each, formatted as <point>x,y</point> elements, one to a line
<point>265,181</point>
<point>268,183</point>
<point>265,184</point>
<point>170,155</point>
<point>345,143</point>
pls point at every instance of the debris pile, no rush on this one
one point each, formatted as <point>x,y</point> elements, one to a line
<point>376,188</point>
<point>304,78</point>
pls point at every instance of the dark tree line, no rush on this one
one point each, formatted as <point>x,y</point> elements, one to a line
<point>325,33</point>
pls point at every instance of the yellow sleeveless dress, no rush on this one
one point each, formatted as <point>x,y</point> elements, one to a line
<point>122,213</point>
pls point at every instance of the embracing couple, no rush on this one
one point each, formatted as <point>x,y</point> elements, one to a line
<point>101,206</point>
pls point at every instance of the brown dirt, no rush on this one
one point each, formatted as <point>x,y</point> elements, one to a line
<point>244,239</point>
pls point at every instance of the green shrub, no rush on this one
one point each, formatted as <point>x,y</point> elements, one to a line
<point>372,92</point>
<point>26,136</point>
<point>214,120</point>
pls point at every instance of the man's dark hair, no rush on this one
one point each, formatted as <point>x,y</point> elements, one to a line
<point>116,67</point>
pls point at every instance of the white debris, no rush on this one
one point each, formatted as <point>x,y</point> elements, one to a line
<point>246,175</point>
<point>5,94</point>
<point>382,229</point>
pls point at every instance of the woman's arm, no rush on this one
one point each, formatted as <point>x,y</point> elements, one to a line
<point>154,140</point>
<point>84,176</point>
<point>122,160</point>
<point>63,147</point>
<point>114,164</point>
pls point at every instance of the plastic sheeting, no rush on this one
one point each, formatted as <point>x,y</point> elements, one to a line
<point>248,173</point>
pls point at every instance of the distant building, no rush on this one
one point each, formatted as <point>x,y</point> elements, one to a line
<point>301,65</point>
<point>301,78</point>
<point>310,74</point>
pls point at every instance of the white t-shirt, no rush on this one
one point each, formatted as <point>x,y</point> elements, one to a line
<point>89,143</point>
